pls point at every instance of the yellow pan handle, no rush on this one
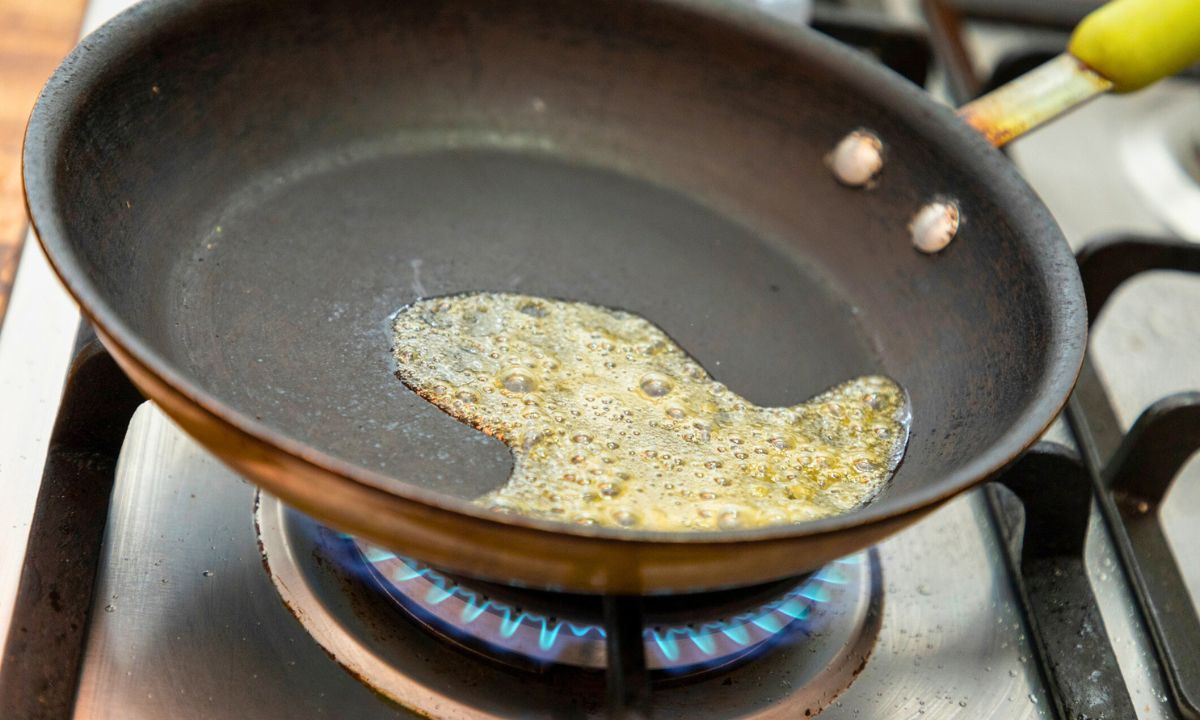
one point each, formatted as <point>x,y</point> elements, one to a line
<point>1134,43</point>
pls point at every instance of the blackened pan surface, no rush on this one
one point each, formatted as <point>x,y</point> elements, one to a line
<point>240,197</point>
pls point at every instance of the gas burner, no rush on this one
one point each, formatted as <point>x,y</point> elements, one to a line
<point>401,628</point>
<point>684,635</point>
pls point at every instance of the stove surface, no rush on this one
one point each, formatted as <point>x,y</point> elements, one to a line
<point>187,622</point>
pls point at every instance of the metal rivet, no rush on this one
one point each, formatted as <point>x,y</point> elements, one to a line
<point>857,158</point>
<point>934,226</point>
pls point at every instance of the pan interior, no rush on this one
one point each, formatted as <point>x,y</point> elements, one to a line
<point>245,196</point>
<point>284,304</point>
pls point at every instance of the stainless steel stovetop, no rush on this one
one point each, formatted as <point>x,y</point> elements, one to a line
<point>187,620</point>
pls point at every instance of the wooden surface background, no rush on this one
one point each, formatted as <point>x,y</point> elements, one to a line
<point>34,37</point>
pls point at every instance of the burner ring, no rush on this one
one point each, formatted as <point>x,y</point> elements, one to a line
<point>321,580</point>
<point>505,624</point>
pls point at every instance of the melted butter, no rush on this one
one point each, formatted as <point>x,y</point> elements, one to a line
<point>612,423</point>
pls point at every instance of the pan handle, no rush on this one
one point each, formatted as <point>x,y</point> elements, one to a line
<point>1122,46</point>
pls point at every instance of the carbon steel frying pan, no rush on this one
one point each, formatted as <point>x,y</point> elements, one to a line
<point>240,196</point>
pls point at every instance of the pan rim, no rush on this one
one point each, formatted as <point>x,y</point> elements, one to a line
<point>1065,300</point>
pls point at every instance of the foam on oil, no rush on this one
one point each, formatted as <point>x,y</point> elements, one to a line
<point>611,423</point>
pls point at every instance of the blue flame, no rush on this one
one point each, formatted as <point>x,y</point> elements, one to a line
<point>668,645</point>
<point>546,637</point>
<point>441,588</point>
<point>773,618</point>
<point>705,643</point>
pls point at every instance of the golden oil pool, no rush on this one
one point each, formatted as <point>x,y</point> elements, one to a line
<point>611,423</point>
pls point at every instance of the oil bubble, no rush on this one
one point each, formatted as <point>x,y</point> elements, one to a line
<point>729,520</point>
<point>625,518</point>
<point>533,309</point>
<point>655,385</point>
<point>518,381</point>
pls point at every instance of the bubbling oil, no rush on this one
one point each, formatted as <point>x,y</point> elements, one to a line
<point>611,423</point>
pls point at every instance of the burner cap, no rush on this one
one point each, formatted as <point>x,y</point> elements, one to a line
<point>683,635</point>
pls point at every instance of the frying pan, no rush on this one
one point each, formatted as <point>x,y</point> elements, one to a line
<point>240,196</point>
